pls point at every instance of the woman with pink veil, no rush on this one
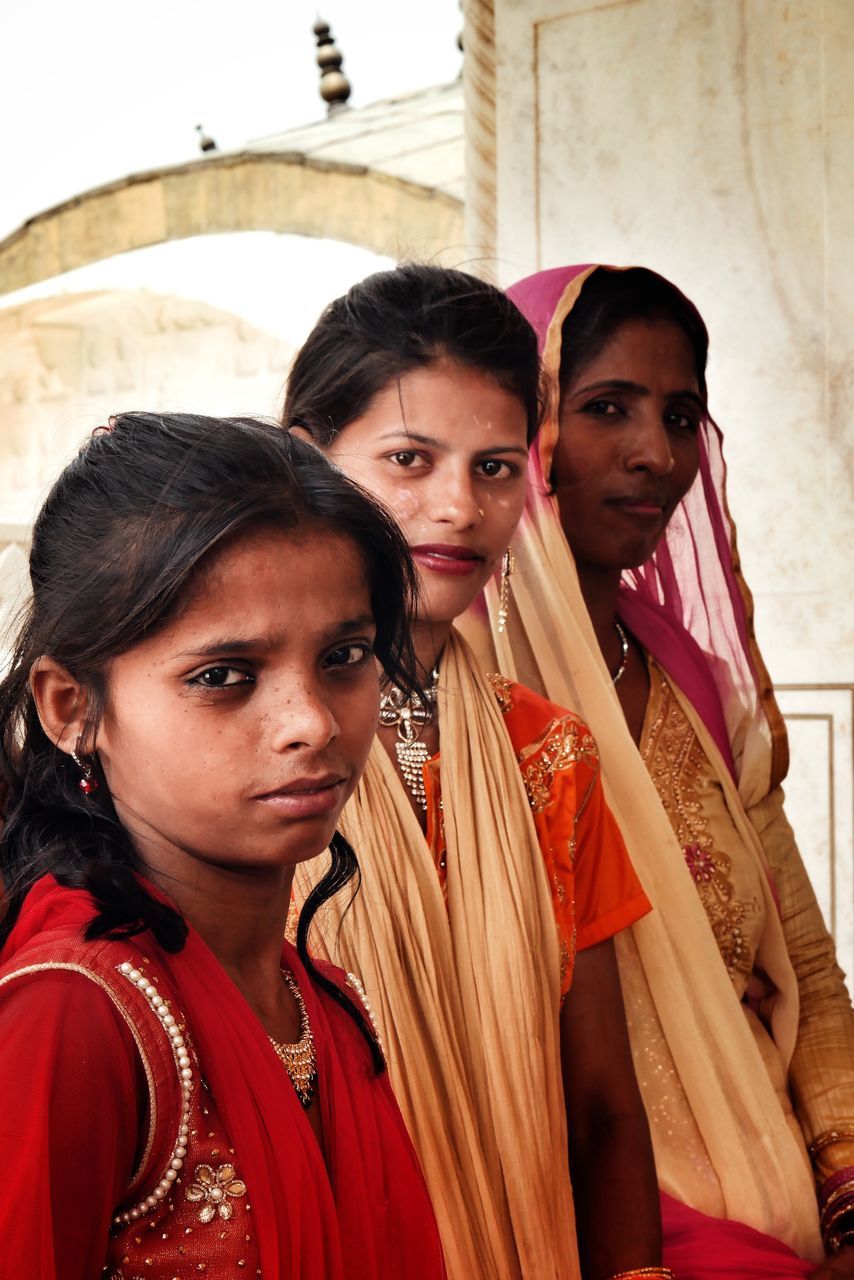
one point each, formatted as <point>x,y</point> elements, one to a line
<point>629,607</point>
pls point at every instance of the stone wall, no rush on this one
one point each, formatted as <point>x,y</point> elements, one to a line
<point>68,362</point>
<point>714,141</point>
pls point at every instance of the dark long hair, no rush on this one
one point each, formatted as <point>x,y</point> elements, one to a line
<point>608,299</point>
<point>116,547</point>
<point>408,318</point>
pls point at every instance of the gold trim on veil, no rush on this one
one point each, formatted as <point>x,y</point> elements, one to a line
<point>466,993</point>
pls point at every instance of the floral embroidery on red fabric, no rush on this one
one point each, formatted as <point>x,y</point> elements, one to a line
<point>214,1186</point>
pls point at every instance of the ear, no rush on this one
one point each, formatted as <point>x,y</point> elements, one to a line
<point>302,434</point>
<point>61,703</point>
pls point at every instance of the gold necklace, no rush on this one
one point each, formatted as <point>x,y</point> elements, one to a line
<point>411,714</point>
<point>299,1059</point>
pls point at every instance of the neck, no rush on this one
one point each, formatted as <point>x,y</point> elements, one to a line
<point>428,641</point>
<point>600,588</point>
<point>241,914</point>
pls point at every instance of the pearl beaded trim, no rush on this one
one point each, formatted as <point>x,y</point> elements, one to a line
<point>160,1007</point>
<point>356,984</point>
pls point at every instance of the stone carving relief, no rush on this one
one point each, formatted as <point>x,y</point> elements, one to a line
<point>68,362</point>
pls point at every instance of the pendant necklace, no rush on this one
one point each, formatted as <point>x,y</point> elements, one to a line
<point>410,714</point>
<point>624,662</point>
<point>299,1059</point>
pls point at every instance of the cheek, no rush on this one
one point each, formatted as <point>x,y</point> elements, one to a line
<point>151,740</point>
<point>394,490</point>
<point>358,716</point>
<point>505,512</point>
<point>582,456</point>
<point>687,458</point>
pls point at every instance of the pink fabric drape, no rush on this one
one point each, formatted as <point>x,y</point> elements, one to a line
<point>688,603</point>
<point>697,1247</point>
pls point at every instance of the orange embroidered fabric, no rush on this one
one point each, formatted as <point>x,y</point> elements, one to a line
<point>595,891</point>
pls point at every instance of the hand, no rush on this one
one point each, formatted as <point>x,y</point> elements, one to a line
<point>837,1266</point>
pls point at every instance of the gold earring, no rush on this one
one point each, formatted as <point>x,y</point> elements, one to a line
<point>508,564</point>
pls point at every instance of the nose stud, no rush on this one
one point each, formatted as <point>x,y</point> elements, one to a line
<point>671,465</point>
<point>480,512</point>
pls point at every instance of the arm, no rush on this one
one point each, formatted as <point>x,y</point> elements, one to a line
<point>610,1151</point>
<point>821,1073</point>
<point>68,1124</point>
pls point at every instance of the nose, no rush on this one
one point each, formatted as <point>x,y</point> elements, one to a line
<point>304,718</point>
<point>455,501</point>
<point>649,444</point>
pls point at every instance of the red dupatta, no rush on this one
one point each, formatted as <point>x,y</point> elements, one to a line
<point>361,1215</point>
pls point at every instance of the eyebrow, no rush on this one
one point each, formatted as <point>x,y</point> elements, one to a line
<point>252,644</point>
<point>638,389</point>
<point>432,443</point>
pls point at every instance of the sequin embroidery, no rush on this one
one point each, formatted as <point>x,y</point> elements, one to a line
<point>676,763</point>
<point>214,1187</point>
<point>565,742</point>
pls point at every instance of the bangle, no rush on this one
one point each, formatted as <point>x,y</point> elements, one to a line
<point>654,1273</point>
<point>834,1186</point>
<point>828,1138</point>
<point>837,1227</point>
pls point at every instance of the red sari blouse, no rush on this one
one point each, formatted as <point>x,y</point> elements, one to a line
<point>150,1130</point>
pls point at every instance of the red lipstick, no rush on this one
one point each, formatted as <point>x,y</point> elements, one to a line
<point>446,558</point>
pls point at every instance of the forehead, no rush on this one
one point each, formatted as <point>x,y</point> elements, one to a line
<point>271,582</point>
<point>446,400</point>
<point>643,350</point>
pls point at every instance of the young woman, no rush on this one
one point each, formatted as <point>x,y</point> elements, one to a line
<point>421,384</point>
<point>190,704</point>
<point>630,607</point>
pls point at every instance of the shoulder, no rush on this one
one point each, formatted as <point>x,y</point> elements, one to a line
<point>64,999</point>
<point>536,724</point>
<point>352,989</point>
<point>556,751</point>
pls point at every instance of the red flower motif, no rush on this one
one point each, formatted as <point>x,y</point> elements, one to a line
<point>700,863</point>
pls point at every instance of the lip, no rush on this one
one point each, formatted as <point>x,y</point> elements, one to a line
<point>640,506</point>
<point>447,558</point>
<point>306,797</point>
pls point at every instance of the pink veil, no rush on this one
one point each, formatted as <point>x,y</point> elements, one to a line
<point>688,604</point>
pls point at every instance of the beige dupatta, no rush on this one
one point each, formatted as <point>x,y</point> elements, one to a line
<point>722,1142</point>
<point>467,994</point>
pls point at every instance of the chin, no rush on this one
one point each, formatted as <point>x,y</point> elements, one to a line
<point>631,555</point>
<point>446,605</point>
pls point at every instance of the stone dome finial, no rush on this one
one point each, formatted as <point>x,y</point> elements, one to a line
<point>206,142</point>
<point>334,85</point>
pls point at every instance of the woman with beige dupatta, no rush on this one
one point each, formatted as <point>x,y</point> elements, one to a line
<point>422,385</point>
<point>629,607</point>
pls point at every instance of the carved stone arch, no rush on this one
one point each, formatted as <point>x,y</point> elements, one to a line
<point>285,192</point>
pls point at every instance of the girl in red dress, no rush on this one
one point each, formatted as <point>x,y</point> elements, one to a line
<point>189,705</point>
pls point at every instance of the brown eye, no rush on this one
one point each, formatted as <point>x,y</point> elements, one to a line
<point>676,420</point>
<point>494,467</point>
<point>220,678</point>
<point>601,408</point>
<point>349,655</point>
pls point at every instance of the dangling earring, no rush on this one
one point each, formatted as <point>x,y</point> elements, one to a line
<point>88,783</point>
<point>508,564</point>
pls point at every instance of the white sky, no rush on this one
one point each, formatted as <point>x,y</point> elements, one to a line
<point>92,90</point>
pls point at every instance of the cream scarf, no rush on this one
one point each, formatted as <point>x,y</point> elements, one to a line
<point>466,994</point>
<point>716,1092</point>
